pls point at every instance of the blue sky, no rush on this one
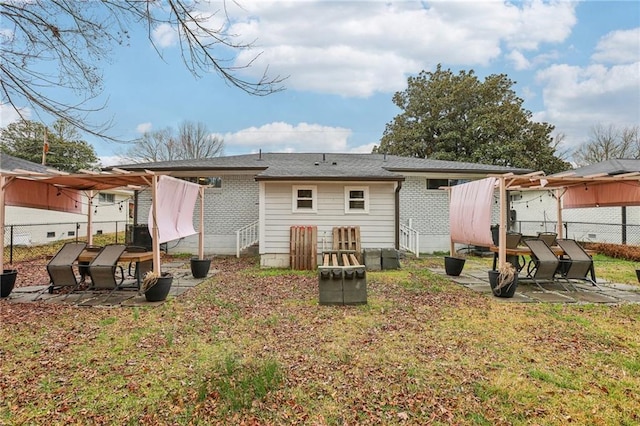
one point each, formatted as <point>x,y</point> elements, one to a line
<point>576,64</point>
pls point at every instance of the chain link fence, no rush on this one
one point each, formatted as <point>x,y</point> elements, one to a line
<point>33,241</point>
<point>613,233</point>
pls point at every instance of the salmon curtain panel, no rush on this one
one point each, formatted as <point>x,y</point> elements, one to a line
<point>625,193</point>
<point>470,212</point>
<point>176,200</point>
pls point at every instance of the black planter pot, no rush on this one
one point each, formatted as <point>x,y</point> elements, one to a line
<point>200,267</point>
<point>638,274</point>
<point>7,281</point>
<point>507,291</point>
<point>453,265</point>
<point>161,288</point>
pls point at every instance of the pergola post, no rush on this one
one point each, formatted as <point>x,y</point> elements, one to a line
<point>2,217</point>
<point>560,226</point>
<point>201,233</point>
<point>155,234</point>
<point>502,242</point>
<point>90,219</point>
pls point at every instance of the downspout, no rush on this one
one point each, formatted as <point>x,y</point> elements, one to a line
<point>397,214</point>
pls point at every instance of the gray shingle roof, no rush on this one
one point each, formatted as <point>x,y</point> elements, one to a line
<point>10,163</point>
<point>323,166</point>
<point>610,167</point>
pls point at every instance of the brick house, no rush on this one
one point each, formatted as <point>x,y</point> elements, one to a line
<point>273,191</point>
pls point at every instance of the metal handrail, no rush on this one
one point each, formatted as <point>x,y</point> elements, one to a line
<point>247,236</point>
<point>410,240</point>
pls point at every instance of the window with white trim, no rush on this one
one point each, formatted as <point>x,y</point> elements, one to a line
<point>356,199</point>
<point>304,199</point>
<point>106,198</point>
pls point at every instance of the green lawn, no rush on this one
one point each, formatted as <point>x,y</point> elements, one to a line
<point>254,347</point>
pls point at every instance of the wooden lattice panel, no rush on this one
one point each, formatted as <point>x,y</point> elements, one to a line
<point>346,238</point>
<point>303,253</point>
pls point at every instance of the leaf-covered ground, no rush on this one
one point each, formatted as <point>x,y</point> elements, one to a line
<point>253,346</point>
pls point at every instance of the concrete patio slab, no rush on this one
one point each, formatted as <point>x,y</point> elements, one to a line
<point>127,297</point>
<point>528,292</point>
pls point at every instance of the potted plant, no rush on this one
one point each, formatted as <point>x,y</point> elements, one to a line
<point>504,281</point>
<point>156,286</point>
<point>7,281</point>
<point>453,265</point>
<point>200,267</point>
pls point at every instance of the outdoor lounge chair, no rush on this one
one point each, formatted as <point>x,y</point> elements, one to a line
<point>544,263</point>
<point>579,264</point>
<point>102,268</point>
<point>60,267</point>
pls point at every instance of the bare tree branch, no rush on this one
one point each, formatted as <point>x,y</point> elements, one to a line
<point>193,141</point>
<point>608,142</point>
<point>62,44</point>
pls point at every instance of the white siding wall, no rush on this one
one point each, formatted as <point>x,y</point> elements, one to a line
<point>377,228</point>
<point>536,211</point>
<point>37,226</point>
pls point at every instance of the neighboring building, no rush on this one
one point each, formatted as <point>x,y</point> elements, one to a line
<point>537,211</point>
<point>28,226</point>
<point>275,191</point>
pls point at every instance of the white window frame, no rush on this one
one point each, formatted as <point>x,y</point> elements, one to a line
<point>348,199</point>
<point>295,199</point>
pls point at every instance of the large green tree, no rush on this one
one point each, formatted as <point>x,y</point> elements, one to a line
<point>458,117</point>
<point>25,139</point>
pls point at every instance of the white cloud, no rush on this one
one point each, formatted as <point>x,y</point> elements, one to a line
<point>359,48</point>
<point>143,127</point>
<point>519,60</point>
<point>165,36</point>
<point>364,149</point>
<point>577,98</point>
<point>8,114</point>
<point>112,160</point>
<point>619,47</point>
<point>537,22</point>
<point>285,137</point>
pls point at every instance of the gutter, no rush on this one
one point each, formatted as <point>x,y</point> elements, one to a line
<point>331,178</point>
<point>397,214</point>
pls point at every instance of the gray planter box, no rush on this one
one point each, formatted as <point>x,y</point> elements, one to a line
<point>373,259</point>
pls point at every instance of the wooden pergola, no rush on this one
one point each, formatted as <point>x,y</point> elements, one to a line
<point>598,190</point>
<point>88,183</point>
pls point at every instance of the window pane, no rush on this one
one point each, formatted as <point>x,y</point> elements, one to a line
<point>437,183</point>
<point>106,198</point>
<point>359,205</point>
<point>305,204</point>
<point>359,194</point>
<point>305,193</point>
